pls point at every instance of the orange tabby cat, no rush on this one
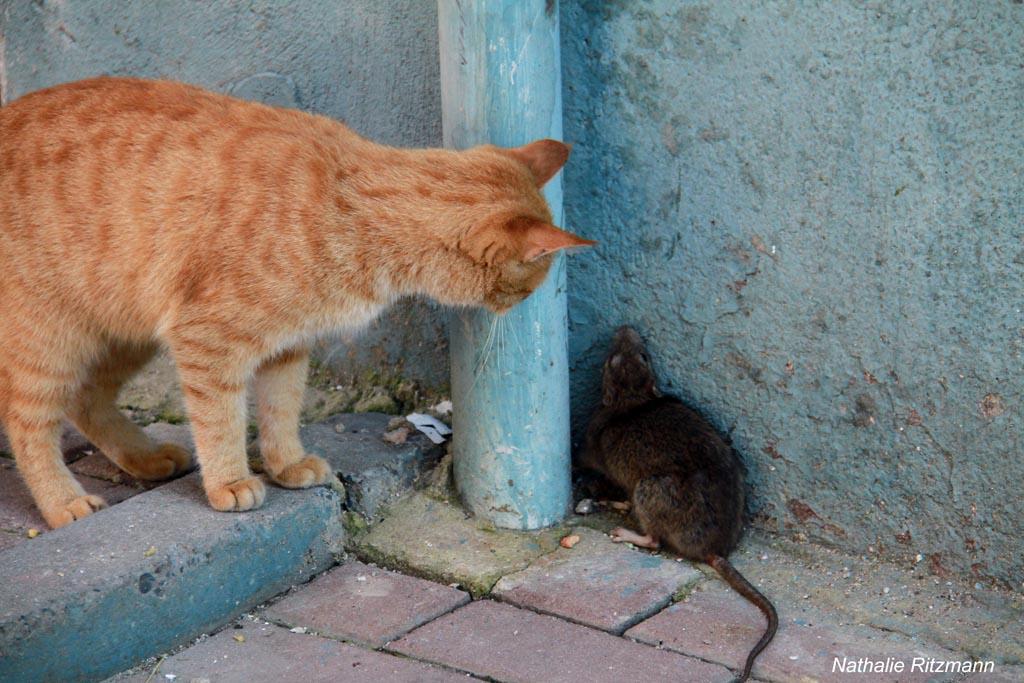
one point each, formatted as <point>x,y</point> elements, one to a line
<point>140,213</point>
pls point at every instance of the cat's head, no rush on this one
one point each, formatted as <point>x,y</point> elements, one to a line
<point>503,235</point>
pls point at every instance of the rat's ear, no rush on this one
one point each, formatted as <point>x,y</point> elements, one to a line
<point>544,158</point>
<point>607,386</point>
<point>537,238</point>
<point>608,394</point>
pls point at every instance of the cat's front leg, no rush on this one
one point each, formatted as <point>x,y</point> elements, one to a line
<point>213,381</point>
<point>280,385</point>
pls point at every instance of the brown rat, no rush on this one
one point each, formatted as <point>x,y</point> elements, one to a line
<point>685,483</point>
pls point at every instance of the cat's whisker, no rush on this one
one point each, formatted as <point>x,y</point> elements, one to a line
<point>502,326</point>
<point>515,338</point>
<point>488,345</point>
<point>485,353</point>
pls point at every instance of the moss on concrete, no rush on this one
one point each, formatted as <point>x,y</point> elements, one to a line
<point>437,540</point>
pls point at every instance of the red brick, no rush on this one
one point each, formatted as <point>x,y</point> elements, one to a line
<point>717,624</point>
<point>598,583</point>
<point>18,511</point>
<point>98,466</point>
<point>365,604</point>
<point>1003,673</point>
<point>10,538</point>
<point>93,463</point>
<point>506,643</point>
<point>72,444</point>
<point>271,653</point>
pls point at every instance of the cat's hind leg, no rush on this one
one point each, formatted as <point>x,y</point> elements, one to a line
<point>41,370</point>
<point>94,412</point>
<point>280,384</point>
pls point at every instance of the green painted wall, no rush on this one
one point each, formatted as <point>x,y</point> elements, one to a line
<point>813,210</point>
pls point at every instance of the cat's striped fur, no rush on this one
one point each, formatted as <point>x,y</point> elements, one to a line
<point>135,214</point>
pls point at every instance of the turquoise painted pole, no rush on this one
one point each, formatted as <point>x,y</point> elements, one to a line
<point>501,84</point>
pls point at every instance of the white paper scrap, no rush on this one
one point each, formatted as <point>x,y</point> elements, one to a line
<point>443,408</point>
<point>431,426</point>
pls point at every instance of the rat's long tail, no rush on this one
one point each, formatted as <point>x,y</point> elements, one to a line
<point>744,588</point>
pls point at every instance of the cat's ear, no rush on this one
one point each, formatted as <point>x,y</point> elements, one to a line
<point>544,158</point>
<point>522,238</point>
<point>534,239</point>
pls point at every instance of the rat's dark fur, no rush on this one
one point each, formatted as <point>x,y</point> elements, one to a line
<point>684,481</point>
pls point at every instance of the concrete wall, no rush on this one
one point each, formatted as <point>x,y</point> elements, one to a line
<point>813,211</point>
<point>372,64</point>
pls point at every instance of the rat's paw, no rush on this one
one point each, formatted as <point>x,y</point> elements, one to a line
<point>244,494</point>
<point>166,461</point>
<point>312,470</point>
<point>80,507</point>
<point>621,535</point>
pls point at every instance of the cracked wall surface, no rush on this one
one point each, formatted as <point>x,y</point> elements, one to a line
<point>373,65</point>
<point>813,211</point>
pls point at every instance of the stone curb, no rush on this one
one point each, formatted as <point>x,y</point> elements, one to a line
<point>375,473</point>
<point>151,573</point>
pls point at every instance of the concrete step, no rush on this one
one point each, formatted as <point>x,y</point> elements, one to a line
<point>153,572</point>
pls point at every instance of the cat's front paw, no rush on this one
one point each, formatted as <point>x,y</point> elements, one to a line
<point>244,494</point>
<point>80,507</point>
<point>167,461</point>
<point>312,470</point>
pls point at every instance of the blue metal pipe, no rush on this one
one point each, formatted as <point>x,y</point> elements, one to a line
<point>501,83</point>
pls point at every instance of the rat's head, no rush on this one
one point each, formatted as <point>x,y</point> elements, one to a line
<point>628,378</point>
<point>495,225</point>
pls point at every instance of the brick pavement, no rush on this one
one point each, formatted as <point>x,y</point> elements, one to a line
<point>359,621</point>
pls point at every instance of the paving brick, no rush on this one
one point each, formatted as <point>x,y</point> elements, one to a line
<point>365,604</point>
<point>93,463</point>
<point>598,583</point>
<point>96,465</point>
<point>507,643</point>
<point>718,625</point>
<point>72,444</point>
<point>10,538</point>
<point>950,612</point>
<point>18,511</point>
<point>271,653</point>
<point>436,540</point>
<point>1002,673</point>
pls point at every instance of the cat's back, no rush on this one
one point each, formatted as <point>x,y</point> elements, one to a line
<point>112,182</point>
<point>138,126</point>
<point>124,151</point>
<point>112,103</point>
